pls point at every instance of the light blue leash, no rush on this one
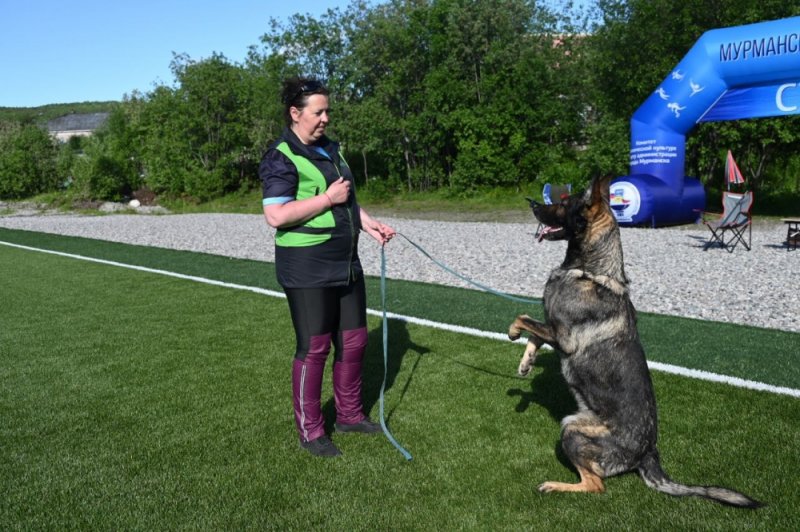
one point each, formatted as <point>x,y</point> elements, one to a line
<point>470,281</point>
<point>386,355</point>
<point>388,434</point>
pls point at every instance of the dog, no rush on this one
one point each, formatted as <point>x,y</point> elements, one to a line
<point>591,322</point>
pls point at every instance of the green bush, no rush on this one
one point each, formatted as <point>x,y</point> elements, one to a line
<point>101,174</point>
<point>27,161</point>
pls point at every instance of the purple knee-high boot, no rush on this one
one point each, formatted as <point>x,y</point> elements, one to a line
<point>347,377</point>
<point>307,388</point>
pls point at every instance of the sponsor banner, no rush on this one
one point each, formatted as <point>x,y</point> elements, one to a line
<point>756,102</point>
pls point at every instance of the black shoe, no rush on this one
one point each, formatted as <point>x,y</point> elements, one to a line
<point>322,446</point>
<point>365,426</point>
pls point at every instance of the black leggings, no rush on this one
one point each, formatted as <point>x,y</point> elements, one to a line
<point>330,310</point>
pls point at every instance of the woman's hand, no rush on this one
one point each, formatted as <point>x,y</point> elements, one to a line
<point>377,230</point>
<point>339,191</point>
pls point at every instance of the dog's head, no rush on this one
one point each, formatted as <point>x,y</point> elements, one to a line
<point>572,216</point>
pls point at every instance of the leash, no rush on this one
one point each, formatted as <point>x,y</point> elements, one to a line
<point>388,434</point>
<point>468,280</point>
<point>385,324</point>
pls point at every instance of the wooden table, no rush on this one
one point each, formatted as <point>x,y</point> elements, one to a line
<point>792,232</point>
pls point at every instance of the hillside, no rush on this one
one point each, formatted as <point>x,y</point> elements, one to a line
<point>43,114</point>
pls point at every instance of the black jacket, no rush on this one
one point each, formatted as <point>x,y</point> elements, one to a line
<point>334,262</point>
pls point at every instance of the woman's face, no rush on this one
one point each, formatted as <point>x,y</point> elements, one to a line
<point>310,122</point>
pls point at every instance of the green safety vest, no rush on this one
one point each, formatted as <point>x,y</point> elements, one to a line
<point>311,183</point>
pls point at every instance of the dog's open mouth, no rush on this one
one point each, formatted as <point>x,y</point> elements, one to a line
<point>551,232</point>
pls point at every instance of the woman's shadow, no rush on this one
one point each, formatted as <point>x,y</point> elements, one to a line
<point>399,343</point>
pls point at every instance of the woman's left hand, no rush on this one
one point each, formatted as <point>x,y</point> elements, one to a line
<point>377,230</point>
<point>380,231</point>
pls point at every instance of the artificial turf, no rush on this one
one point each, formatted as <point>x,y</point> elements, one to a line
<point>132,400</point>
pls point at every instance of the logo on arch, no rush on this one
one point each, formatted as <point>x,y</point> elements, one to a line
<point>625,200</point>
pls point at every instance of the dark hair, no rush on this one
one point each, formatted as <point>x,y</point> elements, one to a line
<point>295,93</point>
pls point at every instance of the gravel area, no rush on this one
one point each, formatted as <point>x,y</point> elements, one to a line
<point>669,271</point>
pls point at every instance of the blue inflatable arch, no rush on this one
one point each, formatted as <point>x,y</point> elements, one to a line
<point>729,74</point>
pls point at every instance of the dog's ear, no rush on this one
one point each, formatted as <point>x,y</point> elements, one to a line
<point>601,188</point>
<point>531,202</point>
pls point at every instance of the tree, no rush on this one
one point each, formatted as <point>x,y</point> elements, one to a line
<point>262,108</point>
<point>513,85</point>
<point>386,68</point>
<point>110,168</point>
<point>166,158</point>
<point>27,161</point>
<point>195,135</point>
<point>437,93</point>
<point>211,92</point>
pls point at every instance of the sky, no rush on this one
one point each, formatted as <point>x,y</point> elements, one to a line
<point>60,51</point>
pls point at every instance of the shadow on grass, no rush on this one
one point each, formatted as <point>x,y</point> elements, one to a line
<point>399,344</point>
<point>548,390</point>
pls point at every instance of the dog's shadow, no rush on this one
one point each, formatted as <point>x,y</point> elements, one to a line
<point>549,390</point>
<point>372,375</point>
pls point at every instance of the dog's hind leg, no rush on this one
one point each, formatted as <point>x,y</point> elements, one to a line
<point>590,483</point>
<point>582,439</point>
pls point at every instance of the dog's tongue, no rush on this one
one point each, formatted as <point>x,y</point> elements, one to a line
<point>546,229</point>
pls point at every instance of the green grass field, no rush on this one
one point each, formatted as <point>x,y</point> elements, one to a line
<point>132,400</point>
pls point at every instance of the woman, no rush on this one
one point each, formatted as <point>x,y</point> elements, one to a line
<point>309,197</point>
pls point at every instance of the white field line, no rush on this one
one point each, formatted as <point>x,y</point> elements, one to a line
<point>658,366</point>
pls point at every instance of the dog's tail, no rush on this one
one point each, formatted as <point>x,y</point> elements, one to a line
<point>655,477</point>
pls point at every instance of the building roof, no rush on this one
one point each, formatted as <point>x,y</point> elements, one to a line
<point>77,122</point>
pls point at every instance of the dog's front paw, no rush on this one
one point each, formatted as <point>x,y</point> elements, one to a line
<point>514,332</point>
<point>547,487</point>
<point>525,366</point>
<point>528,359</point>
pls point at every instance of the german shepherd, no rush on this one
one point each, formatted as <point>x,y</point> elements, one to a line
<point>591,322</point>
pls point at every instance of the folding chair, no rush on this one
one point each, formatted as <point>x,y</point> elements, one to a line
<point>729,229</point>
<point>551,194</point>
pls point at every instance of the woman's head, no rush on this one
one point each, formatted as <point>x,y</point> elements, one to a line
<point>305,108</point>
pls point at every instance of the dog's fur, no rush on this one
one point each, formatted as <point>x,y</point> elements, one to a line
<point>591,322</point>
